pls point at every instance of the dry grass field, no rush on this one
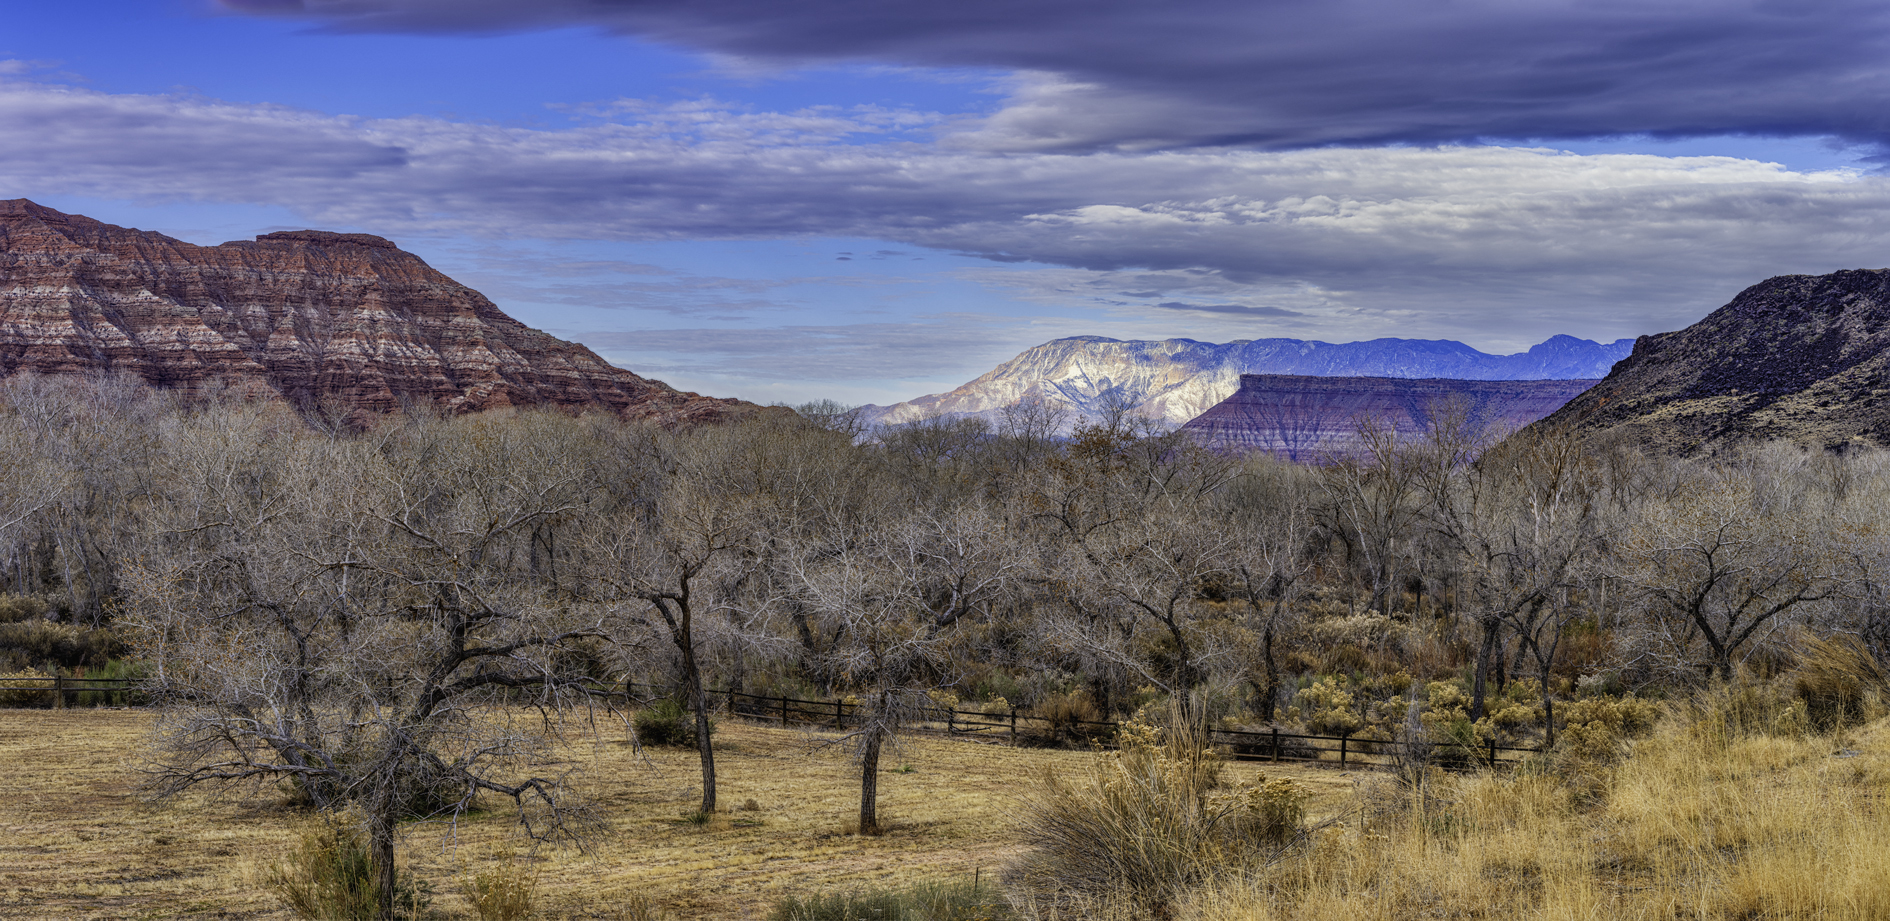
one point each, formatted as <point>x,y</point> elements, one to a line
<point>77,840</point>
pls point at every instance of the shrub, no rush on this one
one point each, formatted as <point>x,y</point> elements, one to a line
<point>1726,711</point>
<point>668,722</point>
<point>16,608</point>
<point>959,901</point>
<point>329,877</point>
<point>1594,738</point>
<point>502,894</point>
<point>24,689</point>
<point>39,641</point>
<point>1068,713</point>
<point>1147,822</point>
<point>1328,709</point>
<point>116,669</point>
<point>1840,682</point>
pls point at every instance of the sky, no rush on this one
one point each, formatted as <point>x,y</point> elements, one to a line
<point>869,200</point>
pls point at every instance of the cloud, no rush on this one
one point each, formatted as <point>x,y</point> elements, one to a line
<point>828,354</point>
<point>1283,74</point>
<point>1531,241</point>
<point>1231,308</point>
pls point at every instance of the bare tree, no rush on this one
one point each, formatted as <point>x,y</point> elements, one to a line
<point>1128,540</point>
<point>353,617</point>
<point>1720,560</point>
<point>673,551</point>
<point>894,596</point>
<point>1269,516</point>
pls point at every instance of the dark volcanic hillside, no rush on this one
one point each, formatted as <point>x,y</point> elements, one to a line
<point>1307,418</point>
<point>312,315</point>
<point>1803,358</point>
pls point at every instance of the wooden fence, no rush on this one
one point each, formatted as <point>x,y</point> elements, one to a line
<point>1009,726</point>
<point>1014,727</point>
<point>61,692</point>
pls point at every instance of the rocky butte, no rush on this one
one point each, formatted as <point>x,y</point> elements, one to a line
<point>320,318</point>
<point>1175,380</point>
<point>1310,419</point>
<point>1800,358</point>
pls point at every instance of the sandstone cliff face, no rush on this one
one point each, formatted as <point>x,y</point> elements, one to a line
<point>1803,358</point>
<point>1178,379</point>
<point>1304,418</point>
<point>318,317</point>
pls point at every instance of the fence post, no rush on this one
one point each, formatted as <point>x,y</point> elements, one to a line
<point>59,692</point>
<point>784,710</point>
<point>1013,725</point>
<point>951,721</point>
<point>1342,742</point>
<point>1492,751</point>
<point>1276,745</point>
<point>839,714</point>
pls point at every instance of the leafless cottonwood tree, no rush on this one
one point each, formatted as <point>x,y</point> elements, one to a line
<point>1129,538</point>
<point>1371,505</point>
<point>1721,560</point>
<point>893,595</point>
<point>1269,517</point>
<point>353,617</point>
<point>1539,547</point>
<point>673,561</point>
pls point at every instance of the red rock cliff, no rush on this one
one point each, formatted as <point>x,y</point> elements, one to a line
<point>310,314</point>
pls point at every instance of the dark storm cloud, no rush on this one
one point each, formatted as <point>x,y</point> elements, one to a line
<point>1282,74</point>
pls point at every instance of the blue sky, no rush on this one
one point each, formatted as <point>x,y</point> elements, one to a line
<point>870,201</point>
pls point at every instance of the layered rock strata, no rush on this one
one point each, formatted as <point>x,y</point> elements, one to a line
<point>317,317</point>
<point>1311,419</point>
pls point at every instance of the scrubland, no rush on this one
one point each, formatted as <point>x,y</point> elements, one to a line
<point>78,840</point>
<point>1701,817</point>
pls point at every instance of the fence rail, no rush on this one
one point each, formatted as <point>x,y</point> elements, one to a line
<point>64,692</point>
<point>1009,726</point>
<point>1013,727</point>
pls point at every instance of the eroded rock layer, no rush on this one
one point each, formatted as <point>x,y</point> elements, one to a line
<point>1305,418</point>
<point>318,317</point>
<point>1800,358</point>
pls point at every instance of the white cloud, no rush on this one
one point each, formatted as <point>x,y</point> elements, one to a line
<point>1509,244</point>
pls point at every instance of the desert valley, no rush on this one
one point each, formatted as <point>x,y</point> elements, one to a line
<point>333,591</point>
<point>987,461</point>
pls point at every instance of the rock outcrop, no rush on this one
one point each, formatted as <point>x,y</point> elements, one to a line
<point>320,318</point>
<point>1800,358</point>
<point>1304,418</point>
<point>1178,379</point>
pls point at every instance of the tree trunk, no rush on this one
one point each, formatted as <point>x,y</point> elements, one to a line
<point>381,852</point>
<point>869,781</point>
<point>1271,693</point>
<point>1548,710</point>
<point>1485,652</point>
<point>705,747</point>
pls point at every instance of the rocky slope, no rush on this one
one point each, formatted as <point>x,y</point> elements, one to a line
<point>1803,358</point>
<point>1305,418</point>
<point>1178,379</point>
<point>318,317</point>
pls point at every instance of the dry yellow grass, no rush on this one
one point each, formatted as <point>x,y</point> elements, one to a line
<point>1689,827</point>
<point>76,841</point>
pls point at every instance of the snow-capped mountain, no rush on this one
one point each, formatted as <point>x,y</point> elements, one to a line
<point>1175,380</point>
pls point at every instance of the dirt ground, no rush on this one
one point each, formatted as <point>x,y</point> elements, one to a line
<point>78,841</point>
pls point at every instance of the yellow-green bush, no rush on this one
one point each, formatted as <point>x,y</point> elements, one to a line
<point>24,689</point>
<point>1145,823</point>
